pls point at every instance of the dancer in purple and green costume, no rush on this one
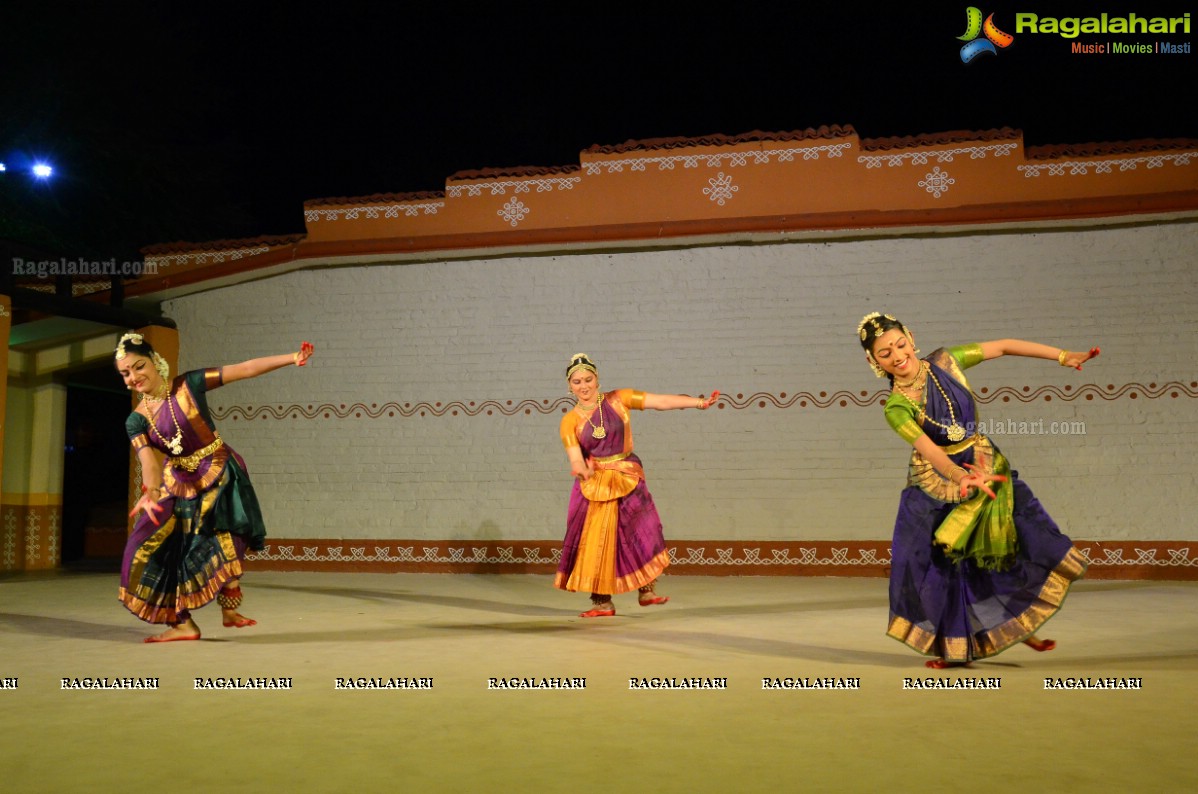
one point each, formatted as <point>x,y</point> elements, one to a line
<point>197,514</point>
<point>977,564</point>
<point>614,540</point>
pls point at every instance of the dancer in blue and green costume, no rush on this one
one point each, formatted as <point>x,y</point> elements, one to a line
<point>977,564</point>
<point>198,513</point>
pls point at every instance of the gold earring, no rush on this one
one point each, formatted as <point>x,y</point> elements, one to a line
<point>878,371</point>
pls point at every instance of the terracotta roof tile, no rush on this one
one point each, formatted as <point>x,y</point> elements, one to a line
<point>374,198</point>
<point>179,247</point>
<point>1056,151</point>
<point>834,131</point>
<point>514,171</point>
<point>938,139</point>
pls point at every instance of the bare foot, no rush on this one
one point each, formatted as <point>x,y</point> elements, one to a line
<point>234,619</point>
<point>176,633</point>
<point>604,609</point>
<point>1037,644</point>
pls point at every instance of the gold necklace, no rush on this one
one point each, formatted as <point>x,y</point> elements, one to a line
<point>175,444</point>
<point>159,394</point>
<point>597,432</point>
<point>914,397</point>
<point>953,431</point>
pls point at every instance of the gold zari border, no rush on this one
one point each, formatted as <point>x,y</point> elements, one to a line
<point>1012,632</point>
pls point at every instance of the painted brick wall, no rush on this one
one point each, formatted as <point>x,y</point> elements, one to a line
<point>772,323</point>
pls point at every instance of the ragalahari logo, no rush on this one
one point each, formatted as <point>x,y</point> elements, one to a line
<point>974,26</point>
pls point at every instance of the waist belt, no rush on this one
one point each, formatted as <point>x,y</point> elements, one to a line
<point>192,462</point>
<point>611,458</point>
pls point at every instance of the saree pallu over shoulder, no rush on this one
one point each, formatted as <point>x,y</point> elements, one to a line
<point>204,455</point>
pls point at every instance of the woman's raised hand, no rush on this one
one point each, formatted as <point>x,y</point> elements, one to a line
<point>979,479</point>
<point>305,352</point>
<point>1076,360</point>
<point>710,401</point>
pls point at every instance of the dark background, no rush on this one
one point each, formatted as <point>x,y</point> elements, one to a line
<point>168,122</point>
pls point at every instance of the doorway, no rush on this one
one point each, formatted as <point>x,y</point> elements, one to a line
<point>95,470</point>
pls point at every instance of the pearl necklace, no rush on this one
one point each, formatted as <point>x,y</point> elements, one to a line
<point>175,444</point>
<point>953,431</point>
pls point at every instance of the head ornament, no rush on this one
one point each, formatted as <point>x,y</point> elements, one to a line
<point>580,361</point>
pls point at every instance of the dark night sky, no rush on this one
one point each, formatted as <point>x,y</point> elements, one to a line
<point>170,121</point>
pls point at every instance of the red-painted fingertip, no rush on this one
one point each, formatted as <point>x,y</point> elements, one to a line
<point>1094,351</point>
<point>715,395</point>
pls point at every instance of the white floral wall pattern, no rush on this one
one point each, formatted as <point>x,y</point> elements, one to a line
<point>720,188</point>
<point>514,211</point>
<point>937,182</point>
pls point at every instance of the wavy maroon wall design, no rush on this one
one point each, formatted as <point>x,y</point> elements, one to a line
<point>738,402</point>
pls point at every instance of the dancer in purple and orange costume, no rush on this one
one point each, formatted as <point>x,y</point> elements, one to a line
<point>198,513</point>
<point>614,540</point>
<point>977,564</point>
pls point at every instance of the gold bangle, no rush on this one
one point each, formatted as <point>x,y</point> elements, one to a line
<point>699,404</point>
<point>295,358</point>
<point>1061,358</point>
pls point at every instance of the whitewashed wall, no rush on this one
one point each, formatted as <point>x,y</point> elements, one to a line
<point>746,319</point>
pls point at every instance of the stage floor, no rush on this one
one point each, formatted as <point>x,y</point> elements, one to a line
<point>460,735</point>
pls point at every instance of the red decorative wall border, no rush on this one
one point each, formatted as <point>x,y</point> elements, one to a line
<point>737,402</point>
<point>1168,560</point>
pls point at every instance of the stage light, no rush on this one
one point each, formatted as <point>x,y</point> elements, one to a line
<point>3,168</point>
<point>42,171</point>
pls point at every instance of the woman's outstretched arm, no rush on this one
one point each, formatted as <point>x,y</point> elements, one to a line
<point>260,366</point>
<point>673,402</point>
<point>1019,347</point>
